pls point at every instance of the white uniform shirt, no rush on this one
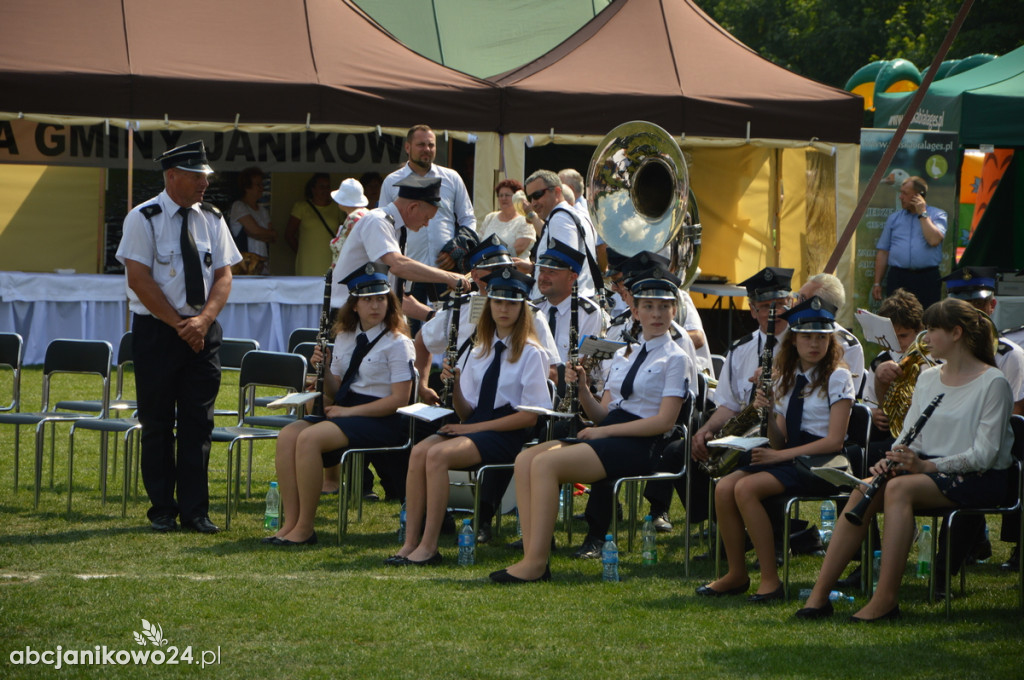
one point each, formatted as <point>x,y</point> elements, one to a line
<point>561,227</point>
<point>372,237</point>
<point>589,316</point>
<point>818,404</point>
<point>1010,360</point>
<point>734,386</point>
<point>523,383</point>
<point>425,244</point>
<point>156,243</point>
<point>434,333</point>
<point>389,361</point>
<point>853,355</point>
<point>663,374</point>
<point>693,322</point>
<point>624,324</point>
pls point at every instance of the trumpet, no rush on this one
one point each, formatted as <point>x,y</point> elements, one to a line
<point>856,515</point>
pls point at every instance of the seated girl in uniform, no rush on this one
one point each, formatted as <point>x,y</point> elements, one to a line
<point>641,402</point>
<point>370,377</point>
<point>506,368</point>
<point>959,459</point>
<point>812,416</point>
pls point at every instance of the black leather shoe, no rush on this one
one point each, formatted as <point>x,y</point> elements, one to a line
<point>851,581</point>
<point>809,613</point>
<point>1013,564</point>
<point>483,534</point>
<point>777,594</point>
<point>164,524</point>
<point>431,561</point>
<point>590,550</point>
<point>708,591</point>
<point>270,539</point>
<point>891,615</point>
<point>661,523</point>
<point>502,576</point>
<point>201,524</point>
<point>395,561</point>
<point>312,540</point>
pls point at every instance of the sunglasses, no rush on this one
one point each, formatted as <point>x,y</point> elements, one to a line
<point>537,194</point>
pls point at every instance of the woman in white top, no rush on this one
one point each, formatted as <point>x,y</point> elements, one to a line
<point>370,377</point>
<point>641,402</point>
<point>507,223</point>
<point>960,457</point>
<point>506,368</point>
<point>249,216</point>
<point>812,417</point>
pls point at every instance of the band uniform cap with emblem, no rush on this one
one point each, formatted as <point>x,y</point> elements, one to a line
<point>191,157</point>
<point>350,194</point>
<point>615,261</point>
<point>561,256</point>
<point>811,316</point>
<point>508,283</point>
<point>640,263</point>
<point>656,283</point>
<point>416,188</point>
<point>489,253</point>
<point>971,283</point>
<point>369,279</point>
<point>770,283</point>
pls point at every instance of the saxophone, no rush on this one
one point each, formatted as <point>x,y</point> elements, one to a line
<point>896,401</point>
<point>722,461</point>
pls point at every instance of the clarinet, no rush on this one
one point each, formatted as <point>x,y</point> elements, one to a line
<point>451,352</point>
<point>571,401</point>
<point>765,379</point>
<point>856,516</point>
<point>321,342</point>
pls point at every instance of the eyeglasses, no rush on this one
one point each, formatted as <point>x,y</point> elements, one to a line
<point>504,195</point>
<point>537,194</point>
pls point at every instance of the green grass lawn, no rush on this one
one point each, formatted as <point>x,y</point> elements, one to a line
<point>335,611</point>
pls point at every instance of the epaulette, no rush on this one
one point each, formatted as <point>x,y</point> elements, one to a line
<point>622,317</point>
<point>539,300</point>
<point>674,332</point>
<point>210,207</point>
<point>588,305</point>
<point>151,211</point>
<point>849,338</point>
<point>1004,347</point>
<point>742,341</point>
<point>532,305</point>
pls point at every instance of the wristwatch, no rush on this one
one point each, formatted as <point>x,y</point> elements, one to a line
<point>920,215</point>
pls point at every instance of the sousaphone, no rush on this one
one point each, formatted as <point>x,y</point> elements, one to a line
<point>640,198</point>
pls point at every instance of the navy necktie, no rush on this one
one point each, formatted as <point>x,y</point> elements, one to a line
<point>489,384</point>
<point>195,291</point>
<point>400,282</point>
<point>353,367</point>
<point>553,322</point>
<point>795,412</point>
<point>627,383</point>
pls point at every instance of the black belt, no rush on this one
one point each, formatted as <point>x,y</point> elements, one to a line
<point>919,269</point>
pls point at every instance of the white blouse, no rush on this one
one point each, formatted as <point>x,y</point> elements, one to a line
<point>389,361</point>
<point>818,404</point>
<point>969,431</point>
<point>523,383</point>
<point>663,374</point>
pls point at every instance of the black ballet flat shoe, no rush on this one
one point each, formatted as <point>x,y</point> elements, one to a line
<point>502,576</point>
<point>810,613</point>
<point>708,591</point>
<point>394,561</point>
<point>270,540</point>
<point>777,594</point>
<point>891,615</point>
<point>312,540</point>
<point>431,561</point>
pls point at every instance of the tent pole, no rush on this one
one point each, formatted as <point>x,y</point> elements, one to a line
<point>775,207</point>
<point>894,143</point>
<point>130,146</point>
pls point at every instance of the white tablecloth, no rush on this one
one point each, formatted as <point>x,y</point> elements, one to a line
<point>42,307</point>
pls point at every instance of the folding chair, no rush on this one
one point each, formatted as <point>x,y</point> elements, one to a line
<point>87,357</point>
<point>301,335</point>
<point>232,351</point>
<point>11,347</point>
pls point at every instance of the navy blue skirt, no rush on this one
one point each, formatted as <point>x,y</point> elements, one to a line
<point>973,489</point>
<point>363,432</point>
<point>497,447</point>
<point>622,456</point>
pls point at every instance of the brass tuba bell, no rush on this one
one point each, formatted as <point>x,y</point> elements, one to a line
<point>640,198</point>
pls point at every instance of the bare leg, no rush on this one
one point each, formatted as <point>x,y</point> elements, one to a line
<point>750,492</point>
<point>284,464</point>
<point>846,541</point>
<point>445,455</point>
<point>730,524</point>
<point>524,490</point>
<point>311,442</point>
<point>416,494</point>
<point>332,479</point>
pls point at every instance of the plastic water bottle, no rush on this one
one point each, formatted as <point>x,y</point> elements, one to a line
<point>401,524</point>
<point>834,596</point>
<point>876,566</point>
<point>272,517</point>
<point>467,544</point>
<point>924,552</point>
<point>561,501</point>
<point>519,525</point>
<point>649,545</point>
<point>828,521</point>
<point>610,559</point>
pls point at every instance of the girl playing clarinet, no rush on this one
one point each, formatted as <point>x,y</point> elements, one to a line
<point>506,368</point>
<point>642,398</point>
<point>370,377</point>
<point>960,457</point>
<point>812,415</point>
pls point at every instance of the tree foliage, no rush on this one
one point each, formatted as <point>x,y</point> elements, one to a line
<point>829,41</point>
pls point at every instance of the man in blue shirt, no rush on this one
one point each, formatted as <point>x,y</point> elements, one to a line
<point>911,246</point>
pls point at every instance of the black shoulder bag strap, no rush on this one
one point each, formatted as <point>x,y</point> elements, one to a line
<point>595,270</point>
<point>322,220</point>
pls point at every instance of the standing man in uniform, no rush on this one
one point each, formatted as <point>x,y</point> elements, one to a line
<point>911,246</point>
<point>177,254</point>
<point>453,208</point>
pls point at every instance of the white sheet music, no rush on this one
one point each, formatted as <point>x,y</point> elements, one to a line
<point>425,412</point>
<point>293,399</point>
<point>741,443</point>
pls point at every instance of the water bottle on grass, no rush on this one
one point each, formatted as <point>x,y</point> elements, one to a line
<point>467,544</point>
<point>828,521</point>
<point>924,552</point>
<point>272,516</point>
<point>649,545</point>
<point>610,559</point>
